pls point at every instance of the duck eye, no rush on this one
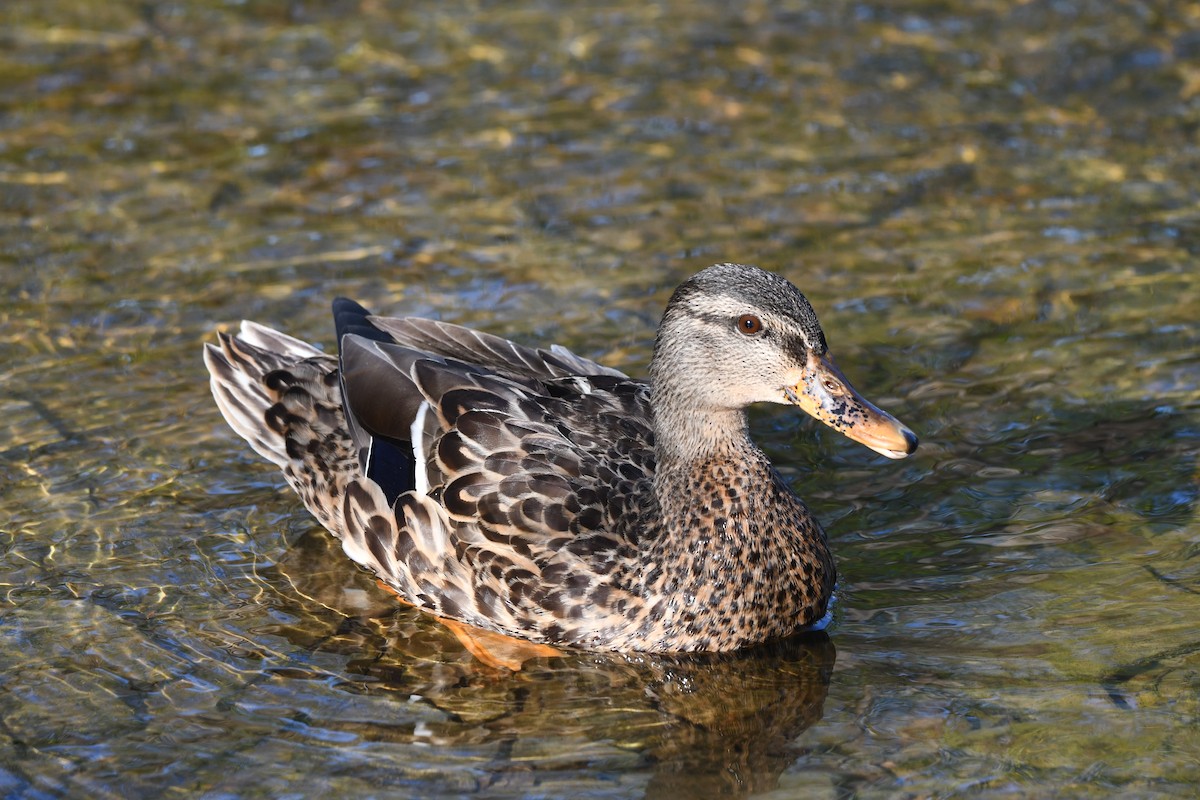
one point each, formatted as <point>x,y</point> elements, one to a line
<point>749,324</point>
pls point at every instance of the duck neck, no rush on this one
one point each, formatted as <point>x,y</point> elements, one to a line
<point>707,470</point>
<point>686,432</point>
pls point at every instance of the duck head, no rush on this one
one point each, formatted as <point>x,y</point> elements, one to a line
<point>733,335</point>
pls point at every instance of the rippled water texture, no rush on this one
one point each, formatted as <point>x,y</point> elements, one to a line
<point>993,206</point>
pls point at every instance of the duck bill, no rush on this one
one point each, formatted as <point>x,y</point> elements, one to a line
<point>825,394</point>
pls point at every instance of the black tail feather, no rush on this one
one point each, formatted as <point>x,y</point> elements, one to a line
<point>350,317</point>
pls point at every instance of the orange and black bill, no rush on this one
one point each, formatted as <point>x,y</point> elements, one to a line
<point>824,393</point>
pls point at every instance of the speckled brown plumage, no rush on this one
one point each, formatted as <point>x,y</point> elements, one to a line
<point>538,494</point>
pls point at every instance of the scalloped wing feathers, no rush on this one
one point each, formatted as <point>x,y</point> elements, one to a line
<point>523,487</point>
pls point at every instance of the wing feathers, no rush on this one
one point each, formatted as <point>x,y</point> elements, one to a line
<point>504,473</point>
<point>492,352</point>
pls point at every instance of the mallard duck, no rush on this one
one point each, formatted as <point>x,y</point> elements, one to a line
<point>540,495</point>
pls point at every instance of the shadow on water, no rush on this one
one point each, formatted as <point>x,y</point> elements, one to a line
<point>719,725</point>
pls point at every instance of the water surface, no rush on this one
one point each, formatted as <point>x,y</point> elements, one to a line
<point>992,206</point>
